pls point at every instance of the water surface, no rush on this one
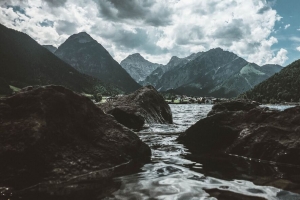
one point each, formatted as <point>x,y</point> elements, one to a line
<point>175,173</point>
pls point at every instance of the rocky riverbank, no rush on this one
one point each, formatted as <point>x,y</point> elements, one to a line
<point>245,129</point>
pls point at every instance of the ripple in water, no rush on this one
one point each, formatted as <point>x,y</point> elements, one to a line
<point>175,173</point>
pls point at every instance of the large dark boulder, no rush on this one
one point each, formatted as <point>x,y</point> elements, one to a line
<point>256,133</point>
<point>53,134</point>
<point>145,105</point>
<point>232,106</point>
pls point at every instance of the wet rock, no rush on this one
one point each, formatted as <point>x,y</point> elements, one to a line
<point>232,106</point>
<point>143,106</point>
<point>53,134</point>
<point>259,133</point>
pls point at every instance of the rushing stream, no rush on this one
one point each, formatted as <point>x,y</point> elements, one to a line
<point>175,173</point>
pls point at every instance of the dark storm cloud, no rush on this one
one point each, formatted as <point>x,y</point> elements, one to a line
<point>65,27</point>
<point>231,31</point>
<point>139,40</point>
<point>55,3</point>
<point>144,10</point>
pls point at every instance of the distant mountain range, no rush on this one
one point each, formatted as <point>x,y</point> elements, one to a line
<point>281,87</point>
<point>24,63</point>
<point>87,56</point>
<point>138,67</point>
<point>216,73</point>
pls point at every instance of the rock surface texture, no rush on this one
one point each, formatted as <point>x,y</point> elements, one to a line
<point>145,105</point>
<point>258,133</point>
<point>51,133</point>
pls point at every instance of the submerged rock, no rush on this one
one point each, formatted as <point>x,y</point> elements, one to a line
<point>255,133</point>
<point>52,134</point>
<point>145,105</point>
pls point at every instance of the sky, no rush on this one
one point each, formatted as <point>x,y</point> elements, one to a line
<point>260,31</point>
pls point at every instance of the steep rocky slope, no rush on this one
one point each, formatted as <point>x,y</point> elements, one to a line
<point>87,56</point>
<point>174,63</point>
<point>24,62</point>
<point>138,67</point>
<point>215,73</point>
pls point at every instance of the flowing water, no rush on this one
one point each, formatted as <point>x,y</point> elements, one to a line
<point>175,173</point>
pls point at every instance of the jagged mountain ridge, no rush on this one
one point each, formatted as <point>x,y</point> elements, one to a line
<point>174,63</point>
<point>138,67</point>
<point>216,73</point>
<point>281,87</point>
<point>213,73</point>
<point>24,63</point>
<point>87,56</point>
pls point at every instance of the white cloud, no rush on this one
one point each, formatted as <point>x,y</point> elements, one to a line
<point>164,28</point>
<point>295,39</point>
<point>298,48</point>
<point>287,26</point>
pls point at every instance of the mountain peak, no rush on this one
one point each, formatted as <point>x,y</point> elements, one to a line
<point>136,55</point>
<point>82,37</point>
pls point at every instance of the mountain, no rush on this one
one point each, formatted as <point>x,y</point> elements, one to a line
<point>87,56</point>
<point>51,48</point>
<point>24,62</point>
<point>281,87</point>
<point>215,73</point>
<point>138,67</point>
<point>174,63</point>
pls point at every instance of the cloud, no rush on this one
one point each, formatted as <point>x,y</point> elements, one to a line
<point>55,3</point>
<point>295,39</point>
<point>280,57</point>
<point>298,48</point>
<point>66,27</point>
<point>149,12</point>
<point>287,26</point>
<point>157,29</point>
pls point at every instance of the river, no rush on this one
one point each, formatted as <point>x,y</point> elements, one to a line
<point>175,173</point>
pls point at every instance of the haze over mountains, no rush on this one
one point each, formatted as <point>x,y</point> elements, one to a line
<point>24,63</point>
<point>87,56</point>
<point>216,73</point>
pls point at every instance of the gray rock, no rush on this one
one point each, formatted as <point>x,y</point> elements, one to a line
<point>51,135</point>
<point>250,131</point>
<point>143,106</point>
